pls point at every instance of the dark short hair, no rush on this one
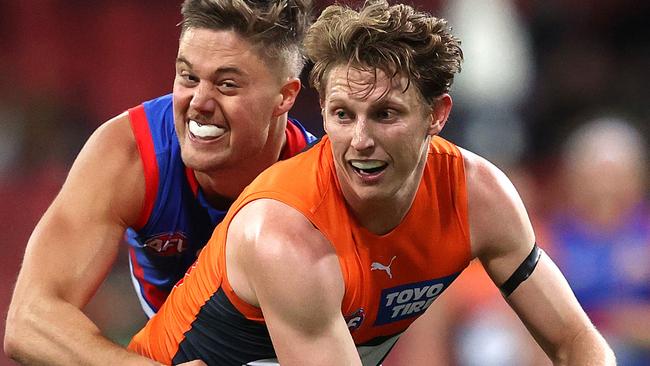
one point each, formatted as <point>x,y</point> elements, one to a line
<point>396,39</point>
<point>276,27</point>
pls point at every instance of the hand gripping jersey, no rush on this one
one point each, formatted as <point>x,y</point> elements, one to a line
<point>176,220</point>
<point>390,279</point>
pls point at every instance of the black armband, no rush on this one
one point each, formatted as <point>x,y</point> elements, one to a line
<point>523,272</point>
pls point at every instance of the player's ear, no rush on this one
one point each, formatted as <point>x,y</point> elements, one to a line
<point>287,98</point>
<point>439,113</point>
<point>322,113</point>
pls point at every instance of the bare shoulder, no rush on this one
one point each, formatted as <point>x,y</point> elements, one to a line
<point>109,171</point>
<point>497,216</point>
<point>272,228</point>
<point>278,251</point>
<point>114,137</point>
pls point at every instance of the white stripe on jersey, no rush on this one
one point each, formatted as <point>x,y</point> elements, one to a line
<point>138,290</point>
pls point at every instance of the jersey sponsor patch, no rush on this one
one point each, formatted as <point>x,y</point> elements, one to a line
<point>410,300</point>
<point>166,244</point>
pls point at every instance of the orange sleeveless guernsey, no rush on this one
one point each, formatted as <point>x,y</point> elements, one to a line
<point>390,279</point>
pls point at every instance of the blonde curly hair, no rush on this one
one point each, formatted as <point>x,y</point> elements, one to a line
<point>397,40</point>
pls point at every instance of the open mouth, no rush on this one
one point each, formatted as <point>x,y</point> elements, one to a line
<point>368,167</point>
<point>205,131</point>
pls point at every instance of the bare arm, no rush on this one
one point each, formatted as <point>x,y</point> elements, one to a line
<point>544,302</point>
<point>284,265</point>
<point>70,253</point>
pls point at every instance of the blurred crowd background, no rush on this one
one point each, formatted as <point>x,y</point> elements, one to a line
<point>555,92</point>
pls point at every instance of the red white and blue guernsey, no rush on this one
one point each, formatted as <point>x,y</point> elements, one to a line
<point>176,220</point>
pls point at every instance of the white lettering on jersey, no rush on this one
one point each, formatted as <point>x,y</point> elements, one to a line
<point>410,300</point>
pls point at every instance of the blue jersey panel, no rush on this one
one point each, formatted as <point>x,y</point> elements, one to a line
<point>180,222</point>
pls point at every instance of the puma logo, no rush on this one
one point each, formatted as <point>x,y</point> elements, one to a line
<point>381,267</point>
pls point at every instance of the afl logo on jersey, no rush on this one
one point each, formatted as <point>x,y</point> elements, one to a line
<point>355,319</point>
<point>166,244</point>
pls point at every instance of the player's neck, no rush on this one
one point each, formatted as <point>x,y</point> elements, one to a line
<point>382,216</point>
<point>223,185</point>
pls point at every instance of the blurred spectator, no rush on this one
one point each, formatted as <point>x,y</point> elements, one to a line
<point>601,232</point>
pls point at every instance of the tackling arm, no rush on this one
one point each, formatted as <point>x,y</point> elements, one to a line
<point>71,252</point>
